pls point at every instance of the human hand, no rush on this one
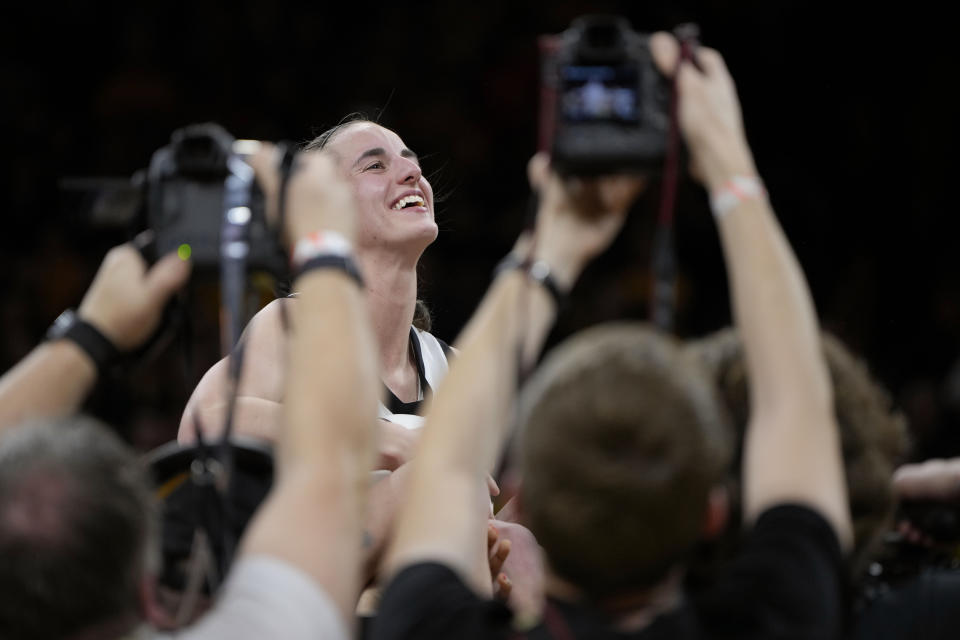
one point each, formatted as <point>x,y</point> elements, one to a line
<point>935,479</point>
<point>318,197</point>
<point>497,552</point>
<point>523,568</point>
<point>709,112</point>
<point>928,491</point>
<point>397,444</point>
<point>578,217</point>
<point>126,300</point>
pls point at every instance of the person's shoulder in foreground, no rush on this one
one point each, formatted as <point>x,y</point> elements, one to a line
<point>789,566</point>
<point>268,598</point>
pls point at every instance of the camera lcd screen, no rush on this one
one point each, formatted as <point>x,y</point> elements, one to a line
<point>600,94</point>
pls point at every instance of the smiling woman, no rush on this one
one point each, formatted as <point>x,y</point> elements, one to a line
<point>396,224</point>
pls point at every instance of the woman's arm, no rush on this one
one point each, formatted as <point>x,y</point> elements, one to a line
<point>258,412</point>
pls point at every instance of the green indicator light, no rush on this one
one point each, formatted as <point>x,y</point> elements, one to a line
<point>184,251</point>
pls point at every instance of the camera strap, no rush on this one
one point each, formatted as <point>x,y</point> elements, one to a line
<point>664,259</point>
<point>234,248</point>
<point>288,154</point>
<point>213,466</point>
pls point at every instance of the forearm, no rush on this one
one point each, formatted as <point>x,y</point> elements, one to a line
<point>383,500</point>
<point>54,379</point>
<point>314,516</point>
<point>332,380</point>
<point>515,316</point>
<point>773,310</point>
<point>792,452</point>
<point>252,417</point>
<point>442,519</point>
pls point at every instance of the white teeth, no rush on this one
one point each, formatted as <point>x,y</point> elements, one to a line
<point>417,200</point>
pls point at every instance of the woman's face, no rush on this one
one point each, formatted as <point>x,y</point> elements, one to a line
<point>394,199</point>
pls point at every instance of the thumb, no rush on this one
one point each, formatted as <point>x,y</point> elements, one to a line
<point>538,170</point>
<point>665,52</point>
<point>166,276</point>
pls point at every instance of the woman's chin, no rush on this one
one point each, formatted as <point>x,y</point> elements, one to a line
<point>425,232</point>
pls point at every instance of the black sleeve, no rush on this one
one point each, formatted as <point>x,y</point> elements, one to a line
<point>786,582</point>
<point>429,600</point>
<point>926,608</point>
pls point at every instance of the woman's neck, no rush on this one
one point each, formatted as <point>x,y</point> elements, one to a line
<point>391,284</point>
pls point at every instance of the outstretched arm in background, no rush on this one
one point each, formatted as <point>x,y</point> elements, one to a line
<point>124,302</point>
<point>937,479</point>
<point>443,519</point>
<point>792,448</point>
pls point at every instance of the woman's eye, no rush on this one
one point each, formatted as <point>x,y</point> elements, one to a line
<point>374,165</point>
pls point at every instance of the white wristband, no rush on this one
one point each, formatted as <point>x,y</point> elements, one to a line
<point>319,243</point>
<point>734,191</point>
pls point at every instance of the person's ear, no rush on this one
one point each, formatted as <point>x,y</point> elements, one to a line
<point>718,512</point>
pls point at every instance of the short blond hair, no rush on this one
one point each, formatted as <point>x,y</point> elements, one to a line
<point>621,441</point>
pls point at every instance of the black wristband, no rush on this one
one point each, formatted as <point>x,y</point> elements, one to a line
<point>331,261</point>
<point>86,336</point>
<point>538,271</point>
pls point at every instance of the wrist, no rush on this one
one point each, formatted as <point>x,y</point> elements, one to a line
<point>564,271</point>
<point>87,335</point>
<point>723,158</point>
<point>101,324</point>
<point>540,272</point>
<point>734,192</point>
<point>324,250</point>
<point>317,243</point>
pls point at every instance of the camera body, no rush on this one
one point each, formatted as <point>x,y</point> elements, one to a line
<point>604,106</point>
<point>218,494</point>
<point>200,197</point>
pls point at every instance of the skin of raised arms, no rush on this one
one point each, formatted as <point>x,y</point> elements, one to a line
<point>466,425</point>
<point>314,515</point>
<point>124,303</point>
<point>792,448</point>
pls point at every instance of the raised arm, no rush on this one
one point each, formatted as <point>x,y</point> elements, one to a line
<point>444,519</point>
<point>792,450</point>
<point>313,517</point>
<point>124,303</point>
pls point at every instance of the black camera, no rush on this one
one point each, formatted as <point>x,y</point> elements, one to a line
<point>201,199</point>
<point>216,490</point>
<point>604,105</point>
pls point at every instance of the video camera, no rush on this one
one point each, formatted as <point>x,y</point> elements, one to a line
<point>604,106</point>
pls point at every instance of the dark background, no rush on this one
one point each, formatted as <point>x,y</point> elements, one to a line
<point>849,110</point>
